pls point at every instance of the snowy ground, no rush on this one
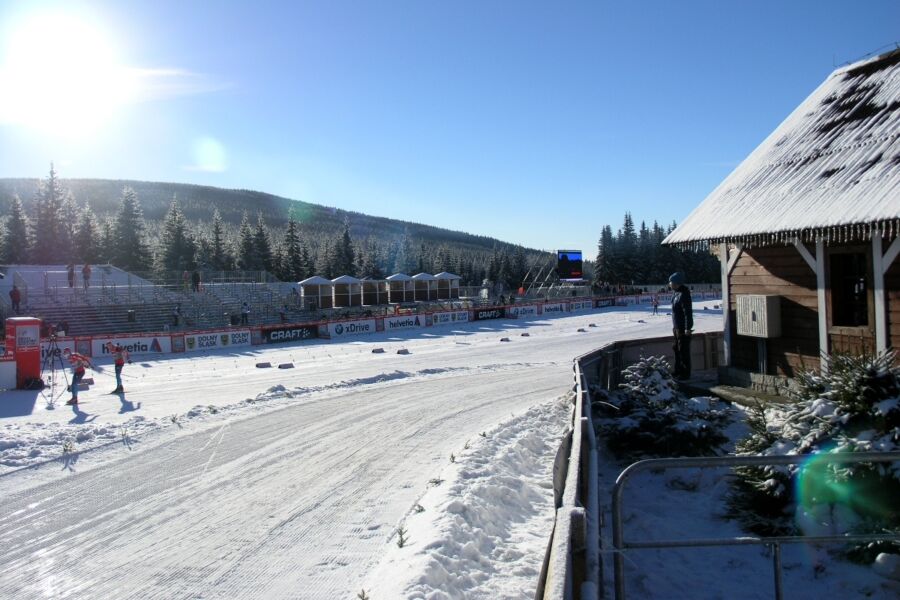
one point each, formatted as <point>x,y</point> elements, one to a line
<point>683,504</point>
<point>215,479</point>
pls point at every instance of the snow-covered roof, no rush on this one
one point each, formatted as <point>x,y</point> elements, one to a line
<point>424,277</point>
<point>345,279</point>
<point>831,169</point>
<point>315,280</point>
<point>446,275</point>
<point>399,277</point>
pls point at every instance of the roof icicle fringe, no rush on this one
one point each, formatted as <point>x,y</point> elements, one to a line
<point>887,229</point>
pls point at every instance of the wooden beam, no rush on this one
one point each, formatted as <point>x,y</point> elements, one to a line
<point>820,293</point>
<point>805,254</point>
<point>732,261</point>
<point>891,255</point>
<point>878,271</point>
<point>726,302</point>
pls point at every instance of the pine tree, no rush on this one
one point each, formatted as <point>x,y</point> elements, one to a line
<point>293,259</point>
<point>247,257</point>
<point>48,222</point>
<point>219,258</point>
<point>107,246</point>
<point>69,214</point>
<point>16,247</point>
<point>343,253</point>
<point>87,237</point>
<point>307,268</point>
<point>177,248</point>
<point>130,250</point>
<point>262,245</point>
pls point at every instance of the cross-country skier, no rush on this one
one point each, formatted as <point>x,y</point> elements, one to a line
<point>120,355</point>
<point>79,362</point>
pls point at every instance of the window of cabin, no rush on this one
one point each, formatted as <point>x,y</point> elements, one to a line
<point>849,289</point>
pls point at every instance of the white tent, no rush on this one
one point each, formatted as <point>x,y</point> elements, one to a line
<point>401,288</point>
<point>316,292</point>
<point>347,291</point>
<point>425,286</point>
<point>447,285</point>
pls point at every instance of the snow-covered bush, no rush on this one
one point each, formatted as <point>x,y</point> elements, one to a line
<point>855,407</point>
<point>649,417</point>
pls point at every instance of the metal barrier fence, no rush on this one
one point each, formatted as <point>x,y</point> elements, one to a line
<point>620,545</point>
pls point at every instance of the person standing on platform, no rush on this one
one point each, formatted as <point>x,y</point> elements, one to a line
<point>195,281</point>
<point>120,355</point>
<point>245,314</point>
<point>79,363</point>
<point>15,297</point>
<point>70,274</point>
<point>682,325</point>
<point>86,274</point>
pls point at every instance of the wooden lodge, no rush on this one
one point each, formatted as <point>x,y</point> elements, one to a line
<point>806,229</point>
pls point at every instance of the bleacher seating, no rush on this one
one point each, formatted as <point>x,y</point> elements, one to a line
<point>116,301</point>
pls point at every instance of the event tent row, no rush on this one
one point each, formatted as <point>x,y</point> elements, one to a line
<point>346,291</point>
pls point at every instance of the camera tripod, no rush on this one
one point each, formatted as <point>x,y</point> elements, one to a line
<point>53,373</point>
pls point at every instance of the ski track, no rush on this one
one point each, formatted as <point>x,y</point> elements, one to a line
<point>292,500</point>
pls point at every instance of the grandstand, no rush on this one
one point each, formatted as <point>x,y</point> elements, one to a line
<point>118,301</point>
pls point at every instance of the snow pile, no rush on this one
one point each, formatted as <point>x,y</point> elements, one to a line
<point>481,529</point>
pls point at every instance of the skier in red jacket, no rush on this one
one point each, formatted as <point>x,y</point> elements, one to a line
<point>79,363</point>
<point>120,355</point>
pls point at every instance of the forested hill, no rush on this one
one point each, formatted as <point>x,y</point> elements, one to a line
<point>197,202</point>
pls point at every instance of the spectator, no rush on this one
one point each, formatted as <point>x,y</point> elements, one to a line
<point>682,325</point>
<point>295,295</point>
<point>245,314</point>
<point>70,274</point>
<point>86,274</point>
<point>195,280</point>
<point>185,279</point>
<point>15,297</point>
<point>176,315</point>
<point>283,313</point>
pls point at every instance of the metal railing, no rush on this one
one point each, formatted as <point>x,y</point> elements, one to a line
<point>620,545</point>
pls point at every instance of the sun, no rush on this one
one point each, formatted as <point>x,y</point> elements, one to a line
<point>60,74</point>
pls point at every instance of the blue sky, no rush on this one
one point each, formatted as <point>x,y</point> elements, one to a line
<point>533,122</point>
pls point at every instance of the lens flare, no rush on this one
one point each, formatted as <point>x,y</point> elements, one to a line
<point>832,497</point>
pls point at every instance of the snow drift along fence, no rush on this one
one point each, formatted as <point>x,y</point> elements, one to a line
<point>572,568</point>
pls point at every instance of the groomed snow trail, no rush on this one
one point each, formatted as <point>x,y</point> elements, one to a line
<point>295,502</point>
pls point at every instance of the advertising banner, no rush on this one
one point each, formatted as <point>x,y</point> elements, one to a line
<point>62,344</point>
<point>645,298</point>
<point>448,318</point>
<point>351,328</point>
<point>392,323</point>
<point>604,302</point>
<point>522,311</point>
<point>554,308</point>
<point>296,333</point>
<point>156,344</point>
<point>28,337</point>
<point>216,339</point>
<point>482,314</point>
<point>577,305</point>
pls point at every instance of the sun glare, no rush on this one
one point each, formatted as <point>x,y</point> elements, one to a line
<point>60,74</point>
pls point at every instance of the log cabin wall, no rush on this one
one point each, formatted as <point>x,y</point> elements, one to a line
<point>778,270</point>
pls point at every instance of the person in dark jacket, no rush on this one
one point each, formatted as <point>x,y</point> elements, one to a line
<point>15,297</point>
<point>682,325</point>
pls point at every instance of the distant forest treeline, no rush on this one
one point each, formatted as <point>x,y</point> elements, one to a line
<point>151,226</point>
<point>146,226</point>
<point>637,255</point>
